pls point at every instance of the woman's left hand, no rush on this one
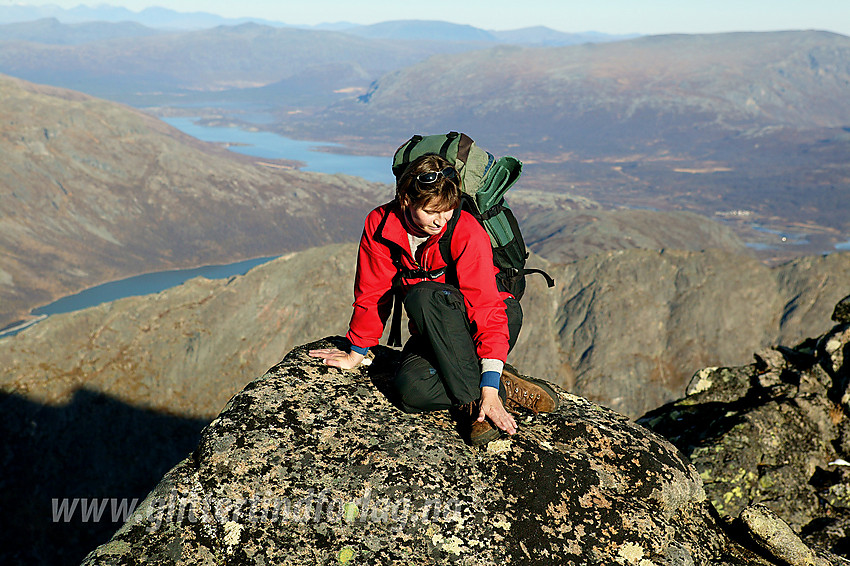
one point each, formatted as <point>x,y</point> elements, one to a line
<point>491,407</point>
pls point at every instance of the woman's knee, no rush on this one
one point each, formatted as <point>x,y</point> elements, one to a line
<point>412,397</point>
<point>418,387</point>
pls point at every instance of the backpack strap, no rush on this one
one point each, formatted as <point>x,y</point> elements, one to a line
<point>445,244</point>
<point>512,221</point>
<point>407,151</point>
<point>549,281</point>
<point>444,149</point>
<point>395,256</point>
<point>395,327</point>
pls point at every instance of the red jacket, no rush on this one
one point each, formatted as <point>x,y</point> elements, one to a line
<point>473,256</point>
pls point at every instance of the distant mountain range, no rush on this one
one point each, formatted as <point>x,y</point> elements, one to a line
<point>167,19</point>
<point>154,17</point>
<point>51,31</point>
<point>165,68</point>
<point>444,31</point>
<point>153,66</point>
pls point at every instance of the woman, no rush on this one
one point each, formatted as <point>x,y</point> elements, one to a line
<point>461,333</point>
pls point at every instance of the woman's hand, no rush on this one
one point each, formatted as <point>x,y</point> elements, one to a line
<point>337,358</point>
<point>491,407</point>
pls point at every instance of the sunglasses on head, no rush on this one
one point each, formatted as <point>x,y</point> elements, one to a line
<point>432,176</point>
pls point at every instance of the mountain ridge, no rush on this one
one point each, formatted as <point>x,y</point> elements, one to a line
<point>685,303</point>
<point>94,191</point>
<point>643,66</point>
<point>52,31</point>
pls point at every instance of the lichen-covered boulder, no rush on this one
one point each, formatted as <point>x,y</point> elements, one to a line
<point>314,465</point>
<point>774,434</point>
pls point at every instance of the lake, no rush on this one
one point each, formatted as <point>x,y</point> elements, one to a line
<point>144,284</point>
<point>273,146</point>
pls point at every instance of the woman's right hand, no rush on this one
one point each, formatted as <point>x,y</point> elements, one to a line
<point>491,407</point>
<point>337,358</point>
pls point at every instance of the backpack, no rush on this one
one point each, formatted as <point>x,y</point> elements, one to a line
<point>484,180</point>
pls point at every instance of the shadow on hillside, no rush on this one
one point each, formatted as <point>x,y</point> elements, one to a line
<point>96,447</point>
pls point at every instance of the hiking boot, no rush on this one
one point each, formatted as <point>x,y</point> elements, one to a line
<point>530,393</point>
<point>477,433</point>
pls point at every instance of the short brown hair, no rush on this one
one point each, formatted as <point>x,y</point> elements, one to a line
<point>444,193</point>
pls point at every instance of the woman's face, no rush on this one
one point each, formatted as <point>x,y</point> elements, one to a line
<point>429,218</point>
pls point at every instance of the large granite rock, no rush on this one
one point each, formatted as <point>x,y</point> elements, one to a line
<point>776,434</point>
<point>314,465</point>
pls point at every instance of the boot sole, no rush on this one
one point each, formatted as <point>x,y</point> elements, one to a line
<point>541,383</point>
<point>485,438</point>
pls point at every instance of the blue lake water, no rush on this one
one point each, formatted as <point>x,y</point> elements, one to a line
<point>274,146</point>
<point>144,284</point>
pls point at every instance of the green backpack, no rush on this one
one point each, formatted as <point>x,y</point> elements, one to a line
<point>484,180</point>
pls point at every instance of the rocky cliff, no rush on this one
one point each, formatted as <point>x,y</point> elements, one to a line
<point>775,432</point>
<point>311,465</point>
<point>673,312</point>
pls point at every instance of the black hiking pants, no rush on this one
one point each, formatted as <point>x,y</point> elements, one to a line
<point>440,367</point>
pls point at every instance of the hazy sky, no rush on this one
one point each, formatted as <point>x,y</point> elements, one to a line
<point>608,16</point>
